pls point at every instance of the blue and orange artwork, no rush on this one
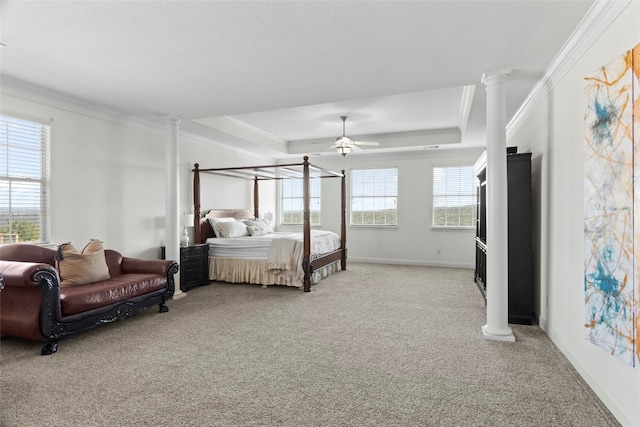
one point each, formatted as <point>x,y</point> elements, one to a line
<point>612,207</point>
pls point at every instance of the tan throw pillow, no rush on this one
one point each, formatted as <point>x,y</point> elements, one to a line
<point>79,268</point>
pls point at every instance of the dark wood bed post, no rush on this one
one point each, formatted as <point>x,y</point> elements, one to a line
<point>256,204</point>
<point>306,220</point>
<point>196,203</point>
<point>343,222</point>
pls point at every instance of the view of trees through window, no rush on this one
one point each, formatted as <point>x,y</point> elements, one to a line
<point>454,197</point>
<point>293,202</point>
<point>23,180</point>
<point>374,196</point>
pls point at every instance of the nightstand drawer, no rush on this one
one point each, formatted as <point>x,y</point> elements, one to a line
<point>193,252</point>
<point>194,266</point>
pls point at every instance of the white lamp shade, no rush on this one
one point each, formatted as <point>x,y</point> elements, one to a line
<point>186,220</point>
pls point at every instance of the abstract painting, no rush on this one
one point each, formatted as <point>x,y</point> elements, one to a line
<point>612,207</point>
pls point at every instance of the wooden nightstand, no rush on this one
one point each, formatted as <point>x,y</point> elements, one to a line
<point>194,266</point>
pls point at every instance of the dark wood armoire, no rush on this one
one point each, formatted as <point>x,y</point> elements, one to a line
<point>520,259</point>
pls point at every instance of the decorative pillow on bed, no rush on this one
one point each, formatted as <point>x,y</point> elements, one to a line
<point>79,268</point>
<point>266,226</point>
<point>257,227</point>
<point>215,221</point>
<point>232,229</point>
<point>255,231</point>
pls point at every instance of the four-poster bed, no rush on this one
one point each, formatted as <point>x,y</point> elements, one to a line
<point>316,260</point>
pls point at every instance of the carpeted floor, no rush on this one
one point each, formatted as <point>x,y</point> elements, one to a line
<point>376,345</point>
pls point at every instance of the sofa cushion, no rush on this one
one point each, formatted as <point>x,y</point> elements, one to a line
<point>80,299</point>
<point>78,268</point>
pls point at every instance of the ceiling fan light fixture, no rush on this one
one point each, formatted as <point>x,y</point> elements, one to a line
<point>343,149</point>
<point>344,144</point>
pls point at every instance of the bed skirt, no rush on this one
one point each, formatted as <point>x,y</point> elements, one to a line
<point>238,270</point>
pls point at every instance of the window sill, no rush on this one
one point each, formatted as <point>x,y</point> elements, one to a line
<point>449,228</point>
<point>378,226</point>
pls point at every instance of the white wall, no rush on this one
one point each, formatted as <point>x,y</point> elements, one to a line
<point>413,241</point>
<point>554,133</point>
<point>221,192</point>
<point>108,179</point>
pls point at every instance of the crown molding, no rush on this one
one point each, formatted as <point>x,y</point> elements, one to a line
<point>256,130</point>
<point>20,89</point>
<point>221,147</point>
<point>465,107</point>
<point>599,17</point>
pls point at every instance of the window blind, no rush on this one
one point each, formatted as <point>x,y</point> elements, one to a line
<point>24,180</point>
<point>374,196</point>
<point>293,201</point>
<point>454,197</point>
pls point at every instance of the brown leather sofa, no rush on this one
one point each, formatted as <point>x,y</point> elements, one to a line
<point>33,305</point>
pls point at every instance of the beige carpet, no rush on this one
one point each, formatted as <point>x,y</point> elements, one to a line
<point>371,346</point>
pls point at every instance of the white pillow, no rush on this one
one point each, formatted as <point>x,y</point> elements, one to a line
<point>257,227</point>
<point>266,225</point>
<point>256,231</point>
<point>215,221</point>
<point>232,229</point>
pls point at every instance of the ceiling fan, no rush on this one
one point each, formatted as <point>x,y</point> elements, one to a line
<point>344,144</point>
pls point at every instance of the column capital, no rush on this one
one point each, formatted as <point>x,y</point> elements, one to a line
<point>173,120</point>
<point>497,76</point>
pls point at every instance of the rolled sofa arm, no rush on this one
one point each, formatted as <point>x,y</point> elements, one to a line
<point>18,273</point>
<point>153,266</point>
<point>30,301</point>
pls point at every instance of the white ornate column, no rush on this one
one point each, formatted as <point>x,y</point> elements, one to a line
<point>172,202</point>
<point>497,327</point>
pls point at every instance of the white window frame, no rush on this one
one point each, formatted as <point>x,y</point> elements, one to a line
<point>296,198</point>
<point>372,192</point>
<point>24,142</point>
<point>454,190</point>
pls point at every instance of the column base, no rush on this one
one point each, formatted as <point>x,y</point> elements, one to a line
<point>177,294</point>
<point>498,334</point>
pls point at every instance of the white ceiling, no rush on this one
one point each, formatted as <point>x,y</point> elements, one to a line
<point>273,77</point>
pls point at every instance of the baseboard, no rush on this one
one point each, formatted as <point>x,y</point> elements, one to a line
<point>542,322</point>
<point>592,380</point>
<point>411,262</point>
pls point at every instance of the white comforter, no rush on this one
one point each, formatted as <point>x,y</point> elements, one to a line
<point>257,247</point>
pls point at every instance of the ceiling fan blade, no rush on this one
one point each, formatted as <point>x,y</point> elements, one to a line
<point>341,140</point>
<point>331,147</point>
<point>347,142</point>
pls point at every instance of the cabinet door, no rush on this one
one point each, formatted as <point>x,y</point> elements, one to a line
<point>520,290</point>
<point>194,266</point>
